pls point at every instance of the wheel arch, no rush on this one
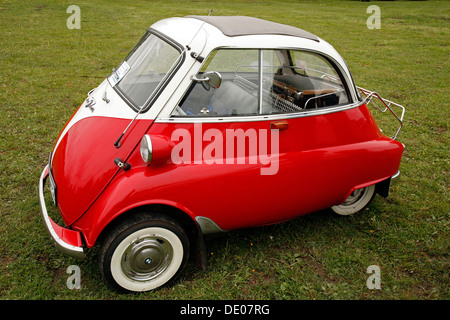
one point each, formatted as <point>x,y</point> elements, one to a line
<point>193,231</point>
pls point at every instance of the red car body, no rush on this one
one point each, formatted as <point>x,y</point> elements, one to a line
<point>198,175</point>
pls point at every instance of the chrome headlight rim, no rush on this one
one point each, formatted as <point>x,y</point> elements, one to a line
<point>146,149</point>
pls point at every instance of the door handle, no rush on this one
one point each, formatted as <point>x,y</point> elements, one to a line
<point>280,125</point>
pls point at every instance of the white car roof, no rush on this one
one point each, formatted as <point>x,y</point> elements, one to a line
<point>233,26</point>
<point>244,32</point>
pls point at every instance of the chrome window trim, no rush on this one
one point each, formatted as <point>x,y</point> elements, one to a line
<point>260,79</point>
<point>262,117</point>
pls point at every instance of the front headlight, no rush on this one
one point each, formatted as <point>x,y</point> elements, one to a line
<point>146,149</point>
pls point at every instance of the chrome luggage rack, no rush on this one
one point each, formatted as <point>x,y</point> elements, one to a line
<point>368,98</point>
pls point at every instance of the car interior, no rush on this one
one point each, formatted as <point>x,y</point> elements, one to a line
<point>284,89</point>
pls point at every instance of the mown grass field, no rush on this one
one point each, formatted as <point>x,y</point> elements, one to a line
<point>47,69</point>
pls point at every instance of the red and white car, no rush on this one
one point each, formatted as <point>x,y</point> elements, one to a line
<point>212,124</point>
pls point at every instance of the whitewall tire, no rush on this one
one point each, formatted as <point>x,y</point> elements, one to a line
<point>356,201</point>
<point>144,255</point>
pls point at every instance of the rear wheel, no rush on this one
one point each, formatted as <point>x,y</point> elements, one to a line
<point>144,253</point>
<point>356,201</point>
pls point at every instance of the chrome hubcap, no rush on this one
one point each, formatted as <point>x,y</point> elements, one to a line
<point>354,197</point>
<point>146,258</point>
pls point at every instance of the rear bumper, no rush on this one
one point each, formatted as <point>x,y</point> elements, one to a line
<point>66,240</point>
<point>395,178</point>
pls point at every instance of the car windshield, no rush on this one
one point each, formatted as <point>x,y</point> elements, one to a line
<point>142,74</point>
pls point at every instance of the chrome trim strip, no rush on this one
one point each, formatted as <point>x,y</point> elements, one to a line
<point>207,226</point>
<point>395,178</point>
<point>146,142</point>
<point>263,117</point>
<point>260,80</point>
<point>62,246</point>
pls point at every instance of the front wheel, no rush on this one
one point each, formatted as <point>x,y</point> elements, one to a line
<point>356,201</point>
<point>143,254</point>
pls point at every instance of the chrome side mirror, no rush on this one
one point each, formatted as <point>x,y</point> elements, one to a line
<point>208,79</point>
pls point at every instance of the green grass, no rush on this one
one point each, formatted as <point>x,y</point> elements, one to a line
<point>46,71</point>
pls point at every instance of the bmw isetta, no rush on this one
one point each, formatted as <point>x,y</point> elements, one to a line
<point>211,124</point>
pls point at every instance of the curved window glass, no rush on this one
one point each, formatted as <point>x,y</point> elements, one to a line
<point>263,82</point>
<point>144,71</point>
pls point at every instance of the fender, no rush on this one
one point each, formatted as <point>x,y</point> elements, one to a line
<point>127,191</point>
<point>382,177</point>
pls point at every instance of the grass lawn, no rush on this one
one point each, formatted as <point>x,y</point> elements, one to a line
<point>47,69</point>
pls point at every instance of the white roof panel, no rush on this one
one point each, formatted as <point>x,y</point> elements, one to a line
<point>233,26</point>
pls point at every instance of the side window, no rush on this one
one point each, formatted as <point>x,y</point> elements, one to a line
<point>261,82</point>
<point>316,81</point>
